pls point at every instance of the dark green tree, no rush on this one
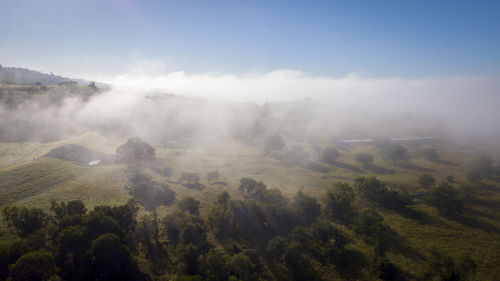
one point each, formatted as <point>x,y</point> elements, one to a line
<point>25,221</point>
<point>366,222</point>
<point>9,254</point>
<point>34,266</point>
<point>339,202</point>
<point>446,199</point>
<point>308,208</point>
<point>110,260</point>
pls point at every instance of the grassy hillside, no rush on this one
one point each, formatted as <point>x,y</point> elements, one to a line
<point>27,180</point>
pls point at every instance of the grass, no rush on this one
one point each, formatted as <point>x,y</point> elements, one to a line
<point>31,181</point>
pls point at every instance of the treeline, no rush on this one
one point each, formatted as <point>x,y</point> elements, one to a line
<point>264,236</point>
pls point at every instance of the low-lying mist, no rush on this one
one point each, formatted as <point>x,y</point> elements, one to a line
<point>210,107</point>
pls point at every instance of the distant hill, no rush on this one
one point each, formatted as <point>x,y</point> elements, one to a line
<point>23,76</point>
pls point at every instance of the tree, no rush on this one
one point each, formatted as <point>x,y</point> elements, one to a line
<point>274,143</point>
<point>330,155</point>
<point>25,221</point>
<point>394,152</point>
<point>212,176</point>
<point>9,254</point>
<point>135,154</point>
<point>247,184</point>
<point>242,266</point>
<point>370,187</point>
<point>373,189</point>
<point>93,86</point>
<point>214,265</point>
<point>338,202</point>
<point>218,216</point>
<point>446,199</point>
<point>299,268</point>
<point>480,168</point>
<point>189,204</point>
<point>72,244</point>
<point>308,207</point>
<point>110,260</point>
<point>366,222</point>
<point>426,180</point>
<point>366,159</point>
<point>34,266</point>
<point>62,209</point>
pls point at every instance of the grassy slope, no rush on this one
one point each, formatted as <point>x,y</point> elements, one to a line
<point>36,182</point>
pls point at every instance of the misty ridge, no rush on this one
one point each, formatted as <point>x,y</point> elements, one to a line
<point>202,108</point>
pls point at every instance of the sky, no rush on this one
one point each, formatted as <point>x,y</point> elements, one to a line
<point>105,38</point>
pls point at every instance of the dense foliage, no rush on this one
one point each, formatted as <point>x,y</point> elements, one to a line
<point>264,236</point>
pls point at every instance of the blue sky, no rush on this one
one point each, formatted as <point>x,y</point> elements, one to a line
<point>408,39</point>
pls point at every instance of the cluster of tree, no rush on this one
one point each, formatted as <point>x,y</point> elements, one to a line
<point>150,194</point>
<point>136,154</point>
<point>264,236</point>
<point>373,189</point>
<point>71,243</point>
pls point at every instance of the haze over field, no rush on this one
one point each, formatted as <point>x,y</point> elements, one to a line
<point>245,140</point>
<point>351,60</point>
